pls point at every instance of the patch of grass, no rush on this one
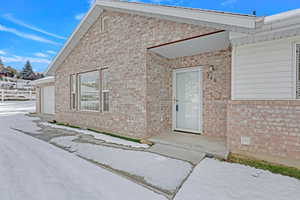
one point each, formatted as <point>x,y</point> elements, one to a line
<point>261,164</point>
<point>68,125</point>
<point>100,132</point>
<point>116,136</point>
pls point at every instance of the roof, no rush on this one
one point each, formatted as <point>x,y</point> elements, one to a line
<point>215,19</point>
<point>233,22</point>
<point>47,79</point>
<point>189,8</point>
<point>282,16</point>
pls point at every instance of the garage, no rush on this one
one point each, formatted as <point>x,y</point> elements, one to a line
<point>45,101</point>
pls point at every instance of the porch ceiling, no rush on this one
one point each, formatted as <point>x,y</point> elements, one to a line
<point>196,45</point>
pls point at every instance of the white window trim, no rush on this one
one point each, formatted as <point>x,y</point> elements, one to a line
<point>103,91</point>
<point>75,107</point>
<point>102,102</point>
<point>296,69</point>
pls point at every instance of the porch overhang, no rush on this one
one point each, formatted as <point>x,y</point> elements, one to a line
<point>192,46</point>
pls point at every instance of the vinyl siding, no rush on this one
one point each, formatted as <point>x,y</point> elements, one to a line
<point>264,71</point>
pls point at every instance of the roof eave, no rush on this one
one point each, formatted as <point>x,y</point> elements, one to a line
<point>218,20</point>
<point>176,13</point>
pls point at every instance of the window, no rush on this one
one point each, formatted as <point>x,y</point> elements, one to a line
<point>105,91</point>
<point>298,69</point>
<point>89,99</point>
<point>73,91</point>
<point>86,93</point>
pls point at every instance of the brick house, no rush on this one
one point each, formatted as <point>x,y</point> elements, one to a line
<point>142,70</point>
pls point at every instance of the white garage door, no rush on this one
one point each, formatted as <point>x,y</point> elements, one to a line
<point>47,100</point>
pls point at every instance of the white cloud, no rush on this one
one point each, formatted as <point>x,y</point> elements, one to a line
<point>79,16</point>
<point>2,52</point>
<point>27,35</point>
<point>42,55</point>
<point>23,59</point>
<point>9,17</point>
<point>228,2</point>
<point>51,52</point>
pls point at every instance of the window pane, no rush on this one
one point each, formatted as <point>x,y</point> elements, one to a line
<point>106,101</point>
<point>104,79</point>
<point>73,91</point>
<point>89,91</point>
<point>73,83</point>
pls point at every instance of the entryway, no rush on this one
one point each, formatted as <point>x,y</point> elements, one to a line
<point>189,147</point>
<point>187,100</point>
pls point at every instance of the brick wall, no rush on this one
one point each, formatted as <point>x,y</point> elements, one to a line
<point>273,126</point>
<point>122,47</point>
<point>159,95</point>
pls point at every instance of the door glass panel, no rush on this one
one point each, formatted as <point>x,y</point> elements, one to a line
<point>188,101</point>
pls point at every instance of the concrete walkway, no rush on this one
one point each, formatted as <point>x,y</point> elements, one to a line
<point>162,173</point>
<point>189,147</point>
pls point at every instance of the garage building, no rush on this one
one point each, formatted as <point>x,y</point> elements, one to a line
<point>45,103</point>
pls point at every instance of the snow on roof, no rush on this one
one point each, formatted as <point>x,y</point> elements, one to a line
<point>47,79</point>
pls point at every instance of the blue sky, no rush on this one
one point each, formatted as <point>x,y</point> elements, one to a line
<point>35,30</point>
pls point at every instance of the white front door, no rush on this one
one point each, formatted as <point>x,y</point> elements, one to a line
<point>187,100</point>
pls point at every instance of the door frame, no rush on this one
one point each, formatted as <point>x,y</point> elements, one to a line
<point>198,69</point>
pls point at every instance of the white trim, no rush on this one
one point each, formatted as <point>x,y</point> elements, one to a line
<point>48,79</point>
<point>267,35</point>
<point>295,71</point>
<point>230,19</point>
<point>174,122</point>
<point>282,16</point>
<point>103,91</point>
<point>102,98</point>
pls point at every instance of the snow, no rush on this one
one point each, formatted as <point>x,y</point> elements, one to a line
<point>213,179</point>
<point>12,114</point>
<point>16,107</point>
<point>156,170</point>
<point>35,170</point>
<point>99,136</point>
<point>47,79</point>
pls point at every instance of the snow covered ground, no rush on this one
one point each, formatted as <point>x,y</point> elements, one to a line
<point>16,107</point>
<point>34,170</point>
<point>158,171</point>
<point>216,180</point>
<point>100,136</point>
